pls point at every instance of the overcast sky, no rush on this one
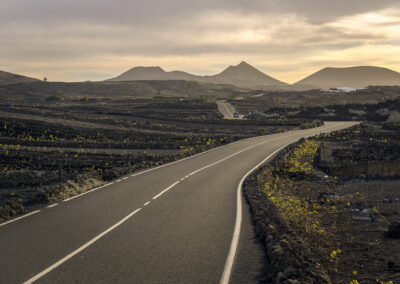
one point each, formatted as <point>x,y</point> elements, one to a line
<point>77,40</point>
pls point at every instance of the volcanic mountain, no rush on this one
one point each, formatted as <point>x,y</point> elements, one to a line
<point>153,73</point>
<point>353,77</point>
<point>7,78</point>
<point>242,75</point>
<point>245,75</point>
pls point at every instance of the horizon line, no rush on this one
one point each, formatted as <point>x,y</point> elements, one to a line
<point>203,75</point>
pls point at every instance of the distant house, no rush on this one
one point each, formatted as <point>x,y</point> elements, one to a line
<point>344,89</point>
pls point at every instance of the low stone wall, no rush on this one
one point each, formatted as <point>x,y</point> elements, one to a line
<point>288,257</point>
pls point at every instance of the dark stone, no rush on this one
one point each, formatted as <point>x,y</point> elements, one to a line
<point>394,230</point>
<point>290,272</point>
<point>393,267</point>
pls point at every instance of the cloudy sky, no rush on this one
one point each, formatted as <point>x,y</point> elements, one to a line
<point>76,40</point>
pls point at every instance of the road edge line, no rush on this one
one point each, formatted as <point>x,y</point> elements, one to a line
<point>195,155</point>
<point>238,221</point>
<point>19,218</point>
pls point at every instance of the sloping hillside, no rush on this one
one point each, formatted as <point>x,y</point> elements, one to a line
<point>242,75</point>
<point>60,91</point>
<point>154,73</point>
<point>353,77</point>
<point>7,78</point>
<point>245,75</point>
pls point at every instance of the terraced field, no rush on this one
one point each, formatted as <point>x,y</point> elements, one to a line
<point>51,151</point>
<point>333,207</point>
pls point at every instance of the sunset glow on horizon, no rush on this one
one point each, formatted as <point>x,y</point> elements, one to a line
<point>288,40</point>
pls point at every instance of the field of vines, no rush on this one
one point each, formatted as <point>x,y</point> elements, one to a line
<point>53,150</point>
<point>333,207</point>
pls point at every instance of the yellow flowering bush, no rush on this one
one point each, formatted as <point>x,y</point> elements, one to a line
<point>302,157</point>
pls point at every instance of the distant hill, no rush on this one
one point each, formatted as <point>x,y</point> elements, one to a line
<point>54,92</point>
<point>7,78</point>
<point>353,77</point>
<point>153,73</point>
<point>245,75</point>
<point>242,75</point>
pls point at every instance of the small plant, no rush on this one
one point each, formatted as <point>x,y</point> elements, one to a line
<point>334,253</point>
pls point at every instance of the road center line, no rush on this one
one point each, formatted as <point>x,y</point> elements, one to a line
<point>198,154</point>
<point>238,222</point>
<point>203,168</point>
<point>16,219</point>
<point>165,190</point>
<point>246,149</point>
<point>181,160</point>
<point>174,162</point>
<point>92,241</point>
<point>228,157</point>
<point>52,205</point>
<point>235,239</point>
<point>147,203</point>
<point>230,114</point>
<point>210,165</point>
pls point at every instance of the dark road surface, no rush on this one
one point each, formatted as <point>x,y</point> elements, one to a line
<point>172,224</point>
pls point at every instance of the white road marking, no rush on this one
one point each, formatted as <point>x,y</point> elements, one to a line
<point>228,157</point>
<point>147,203</point>
<point>89,191</point>
<point>165,190</point>
<point>52,205</point>
<point>182,179</point>
<point>125,178</point>
<point>16,219</point>
<point>235,239</point>
<point>230,114</point>
<point>155,168</point>
<point>202,153</point>
<point>61,261</point>
<point>184,159</point>
<point>210,165</point>
<point>119,180</point>
<point>152,169</point>
<point>238,223</point>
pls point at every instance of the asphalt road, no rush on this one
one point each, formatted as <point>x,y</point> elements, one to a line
<point>227,110</point>
<point>172,224</point>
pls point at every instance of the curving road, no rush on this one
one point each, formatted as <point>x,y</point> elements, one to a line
<point>177,223</point>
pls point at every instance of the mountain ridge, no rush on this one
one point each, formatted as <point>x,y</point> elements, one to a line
<point>242,75</point>
<point>246,76</point>
<point>353,77</point>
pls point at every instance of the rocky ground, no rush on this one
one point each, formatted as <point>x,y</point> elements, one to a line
<point>324,223</point>
<point>54,150</point>
<point>370,104</point>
